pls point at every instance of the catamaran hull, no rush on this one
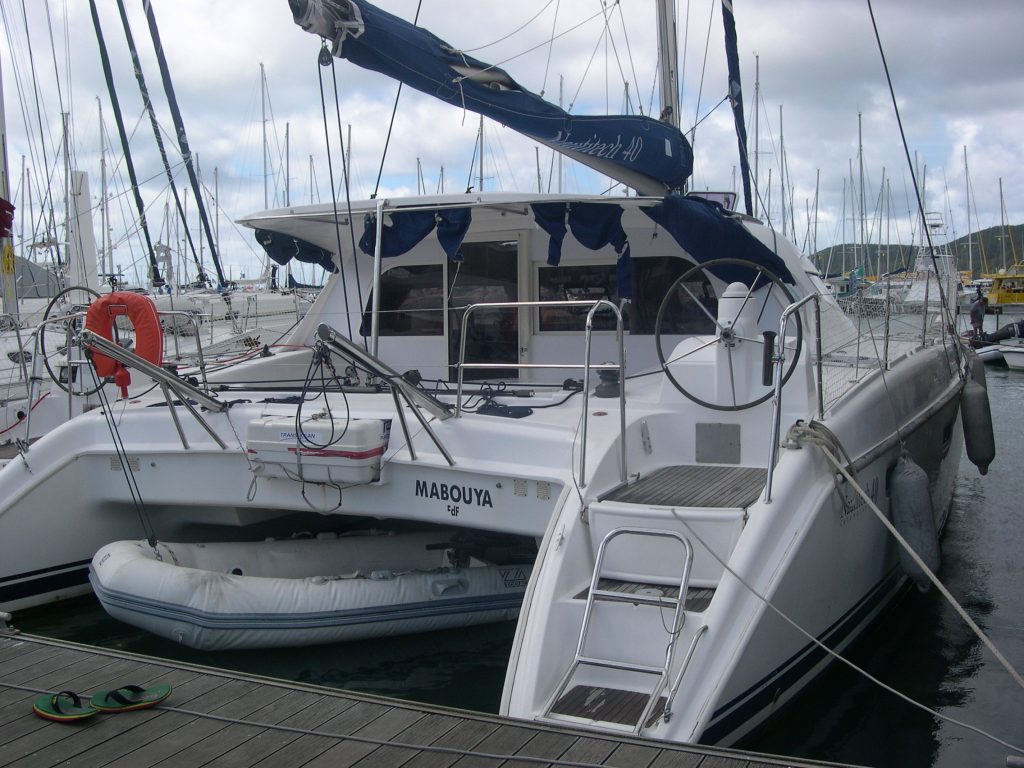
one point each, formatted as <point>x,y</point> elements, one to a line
<point>69,495</point>
<point>847,571</point>
<point>816,551</point>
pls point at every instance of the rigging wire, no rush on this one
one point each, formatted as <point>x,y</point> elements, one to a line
<point>609,39</point>
<point>330,169</point>
<point>818,643</point>
<point>348,195</point>
<point>910,164</point>
<point>632,63</point>
<point>551,49</point>
<point>703,72</point>
<point>514,32</point>
<point>391,123</point>
<point>586,70</point>
<point>39,119</point>
<point>126,467</point>
<point>573,28</point>
<point>148,105</point>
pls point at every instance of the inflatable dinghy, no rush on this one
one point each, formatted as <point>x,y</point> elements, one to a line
<point>304,591</point>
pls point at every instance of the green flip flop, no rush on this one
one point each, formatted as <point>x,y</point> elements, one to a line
<point>63,707</point>
<point>130,697</point>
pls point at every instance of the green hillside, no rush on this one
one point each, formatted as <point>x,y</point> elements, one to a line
<point>988,251</point>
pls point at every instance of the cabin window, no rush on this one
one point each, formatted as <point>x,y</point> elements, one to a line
<point>411,302</point>
<point>693,309</point>
<point>578,282</point>
<point>651,278</point>
<point>414,300</point>
<point>489,274</point>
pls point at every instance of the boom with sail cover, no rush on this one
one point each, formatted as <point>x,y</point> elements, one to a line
<point>650,156</point>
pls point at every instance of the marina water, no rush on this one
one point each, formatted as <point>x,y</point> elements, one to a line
<point>920,646</point>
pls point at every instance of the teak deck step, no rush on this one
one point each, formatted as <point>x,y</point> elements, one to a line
<point>697,598</point>
<point>606,705</point>
<point>713,486</point>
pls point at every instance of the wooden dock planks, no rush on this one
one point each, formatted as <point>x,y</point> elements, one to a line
<point>223,719</point>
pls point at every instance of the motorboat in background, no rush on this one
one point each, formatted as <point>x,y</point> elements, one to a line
<point>991,346</point>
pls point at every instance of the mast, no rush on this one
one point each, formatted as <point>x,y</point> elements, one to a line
<point>129,164</point>
<point>148,104</point>
<point>782,173</point>
<point>179,126</point>
<point>967,189</point>
<point>481,187</point>
<point>105,252</point>
<point>668,62</point>
<point>1002,222</point>
<point>817,186</point>
<point>736,101</point>
<point>263,122</point>
<point>10,297</point>
<point>757,112</point>
<point>67,191</point>
<point>863,210</point>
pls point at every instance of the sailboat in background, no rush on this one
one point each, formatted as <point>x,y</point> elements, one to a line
<point>233,322</point>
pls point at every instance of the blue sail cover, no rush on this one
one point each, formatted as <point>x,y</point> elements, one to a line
<point>706,232</point>
<point>594,225</point>
<point>283,248</point>
<point>407,228</point>
<point>641,152</point>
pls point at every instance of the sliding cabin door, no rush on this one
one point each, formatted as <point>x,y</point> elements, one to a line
<point>488,273</point>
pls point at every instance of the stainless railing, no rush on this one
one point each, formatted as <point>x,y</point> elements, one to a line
<point>416,398</point>
<point>16,327</point>
<point>587,367</point>
<point>780,364</point>
<point>36,378</point>
<point>167,381</point>
<point>191,318</point>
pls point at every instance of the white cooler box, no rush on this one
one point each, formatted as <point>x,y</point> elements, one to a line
<point>354,458</point>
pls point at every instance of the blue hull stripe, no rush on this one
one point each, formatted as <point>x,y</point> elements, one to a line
<point>763,694</point>
<point>43,580</point>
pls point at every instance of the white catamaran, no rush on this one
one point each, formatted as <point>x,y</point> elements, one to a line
<point>661,393</point>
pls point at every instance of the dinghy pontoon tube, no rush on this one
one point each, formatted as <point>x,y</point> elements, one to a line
<point>305,591</point>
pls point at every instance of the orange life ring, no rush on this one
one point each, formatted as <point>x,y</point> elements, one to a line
<point>149,339</point>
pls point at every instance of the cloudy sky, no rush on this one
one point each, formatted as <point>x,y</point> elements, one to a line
<point>957,70</point>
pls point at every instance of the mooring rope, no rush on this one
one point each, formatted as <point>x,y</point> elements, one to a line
<point>921,564</point>
<point>825,442</point>
<point>126,469</point>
